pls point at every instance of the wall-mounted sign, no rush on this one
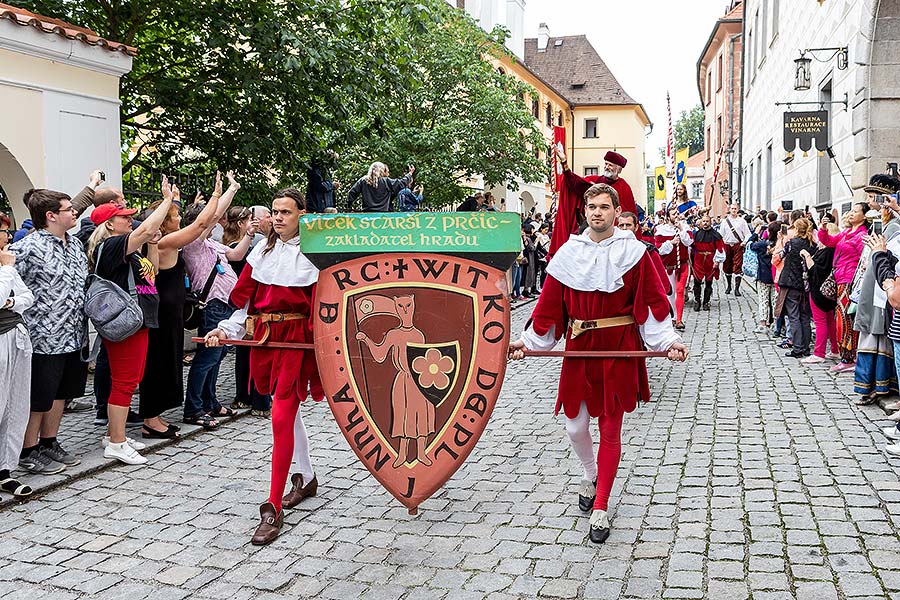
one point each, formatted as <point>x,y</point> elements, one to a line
<point>804,128</point>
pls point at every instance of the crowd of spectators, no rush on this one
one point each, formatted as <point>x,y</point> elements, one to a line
<point>176,260</point>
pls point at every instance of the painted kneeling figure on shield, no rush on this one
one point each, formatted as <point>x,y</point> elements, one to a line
<point>413,414</point>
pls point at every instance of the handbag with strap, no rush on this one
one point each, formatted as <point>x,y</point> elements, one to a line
<point>828,289</point>
<point>194,303</point>
<point>115,312</point>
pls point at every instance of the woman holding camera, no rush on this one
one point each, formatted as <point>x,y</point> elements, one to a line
<point>848,246</point>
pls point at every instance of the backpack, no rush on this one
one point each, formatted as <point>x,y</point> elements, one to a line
<point>114,312</point>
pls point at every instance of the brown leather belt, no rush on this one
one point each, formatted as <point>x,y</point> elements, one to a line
<point>578,326</point>
<point>266,318</point>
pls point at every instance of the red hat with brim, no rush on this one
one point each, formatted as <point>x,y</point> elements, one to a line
<point>616,159</point>
<point>105,212</point>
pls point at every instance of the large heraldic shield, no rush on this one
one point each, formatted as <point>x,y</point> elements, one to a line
<point>411,343</point>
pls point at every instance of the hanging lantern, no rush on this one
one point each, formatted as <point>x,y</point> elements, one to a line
<point>802,74</point>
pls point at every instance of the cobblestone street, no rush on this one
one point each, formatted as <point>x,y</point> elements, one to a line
<point>748,476</point>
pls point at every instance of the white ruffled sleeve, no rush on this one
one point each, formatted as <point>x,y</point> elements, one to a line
<point>533,341</point>
<point>658,336</point>
<point>666,248</point>
<point>235,325</point>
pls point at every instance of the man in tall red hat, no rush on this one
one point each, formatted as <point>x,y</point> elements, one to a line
<point>571,196</point>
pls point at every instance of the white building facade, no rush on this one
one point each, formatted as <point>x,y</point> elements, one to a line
<point>59,96</point>
<point>863,100</point>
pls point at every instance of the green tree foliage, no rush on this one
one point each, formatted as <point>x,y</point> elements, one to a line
<point>458,117</point>
<point>261,87</point>
<point>688,130</point>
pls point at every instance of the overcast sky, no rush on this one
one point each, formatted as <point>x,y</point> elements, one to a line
<point>651,46</point>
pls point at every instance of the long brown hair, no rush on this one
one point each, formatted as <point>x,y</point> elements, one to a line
<point>298,198</point>
<point>232,227</point>
<point>804,229</point>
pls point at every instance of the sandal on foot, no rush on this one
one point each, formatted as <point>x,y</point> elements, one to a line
<point>266,414</point>
<point>866,400</point>
<point>16,488</point>
<point>224,411</point>
<point>207,422</point>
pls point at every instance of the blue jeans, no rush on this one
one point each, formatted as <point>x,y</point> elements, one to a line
<point>516,279</point>
<point>201,384</point>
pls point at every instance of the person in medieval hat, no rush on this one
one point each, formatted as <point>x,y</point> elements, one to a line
<point>708,252</point>
<point>602,293</point>
<point>571,196</point>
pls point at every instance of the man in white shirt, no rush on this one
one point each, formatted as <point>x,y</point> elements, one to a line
<point>735,233</point>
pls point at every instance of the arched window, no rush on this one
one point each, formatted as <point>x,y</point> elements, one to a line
<point>549,117</point>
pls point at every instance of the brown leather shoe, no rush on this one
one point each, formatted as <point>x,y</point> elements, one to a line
<point>269,525</point>
<point>299,491</point>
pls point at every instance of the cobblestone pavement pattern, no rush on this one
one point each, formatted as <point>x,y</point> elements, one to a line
<point>747,477</point>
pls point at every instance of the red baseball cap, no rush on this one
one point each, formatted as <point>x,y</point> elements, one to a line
<point>105,212</point>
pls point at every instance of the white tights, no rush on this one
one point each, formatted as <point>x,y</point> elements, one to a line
<point>580,436</point>
<point>302,462</point>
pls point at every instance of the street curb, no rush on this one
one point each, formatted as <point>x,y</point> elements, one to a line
<point>58,482</point>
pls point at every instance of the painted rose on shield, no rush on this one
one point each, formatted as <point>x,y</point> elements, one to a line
<point>433,369</point>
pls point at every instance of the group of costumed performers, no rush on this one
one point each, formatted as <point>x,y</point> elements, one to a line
<point>276,291</point>
<point>605,290</point>
<point>602,293</point>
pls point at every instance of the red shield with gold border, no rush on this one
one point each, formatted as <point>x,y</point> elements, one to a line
<point>412,350</point>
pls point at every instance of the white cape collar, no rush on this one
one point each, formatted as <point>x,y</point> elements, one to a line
<point>584,265</point>
<point>666,229</point>
<point>284,265</point>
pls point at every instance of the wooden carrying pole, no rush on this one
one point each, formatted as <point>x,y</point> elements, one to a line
<point>534,353</point>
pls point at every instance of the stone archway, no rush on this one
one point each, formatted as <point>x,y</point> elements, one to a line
<point>527,202</point>
<point>15,183</point>
<point>876,106</point>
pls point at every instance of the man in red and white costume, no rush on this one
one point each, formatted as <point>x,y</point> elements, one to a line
<point>571,196</point>
<point>629,222</point>
<point>709,253</point>
<point>735,234</point>
<point>673,239</point>
<point>276,291</point>
<point>601,293</point>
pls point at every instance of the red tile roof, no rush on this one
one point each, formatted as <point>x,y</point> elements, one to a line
<point>25,18</point>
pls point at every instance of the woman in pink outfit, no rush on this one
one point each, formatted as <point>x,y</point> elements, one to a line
<point>848,247</point>
<point>819,266</point>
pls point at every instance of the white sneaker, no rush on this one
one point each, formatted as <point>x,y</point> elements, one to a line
<point>891,433</point>
<point>130,441</point>
<point>123,453</point>
<point>895,416</point>
<point>893,449</point>
<point>761,329</point>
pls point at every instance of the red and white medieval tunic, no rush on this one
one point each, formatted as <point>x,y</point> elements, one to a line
<point>709,251</point>
<point>589,281</point>
<point>282,280</point>
<point>664,240</point>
